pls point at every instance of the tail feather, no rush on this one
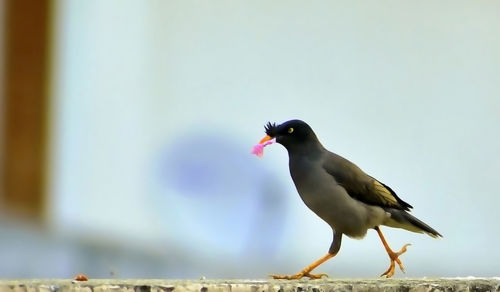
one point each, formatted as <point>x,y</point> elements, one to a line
<point>403,219</point>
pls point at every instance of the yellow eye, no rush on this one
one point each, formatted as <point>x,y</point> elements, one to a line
<point>290,130</point>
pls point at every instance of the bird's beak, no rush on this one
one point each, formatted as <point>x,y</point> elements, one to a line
<point>259,148</point>
<point>265,139</point>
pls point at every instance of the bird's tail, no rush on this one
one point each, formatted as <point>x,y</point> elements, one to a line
<point>403,219</point>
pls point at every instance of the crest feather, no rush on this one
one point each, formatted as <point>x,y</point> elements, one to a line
<point>270,129</point>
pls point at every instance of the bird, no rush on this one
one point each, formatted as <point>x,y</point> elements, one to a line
<point>340,193</point>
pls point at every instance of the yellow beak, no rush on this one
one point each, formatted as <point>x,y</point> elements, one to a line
<point>265,139</point>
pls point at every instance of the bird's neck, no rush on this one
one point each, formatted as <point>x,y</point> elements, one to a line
<point>309,149</point>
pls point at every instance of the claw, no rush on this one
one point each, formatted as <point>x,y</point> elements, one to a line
<point>395,259</point>
<point>297,276</point>
<point>400,264</point>
<point>389,272</point>
<point>316,276</point>
<point>306,272</point>
<point>286,277</point>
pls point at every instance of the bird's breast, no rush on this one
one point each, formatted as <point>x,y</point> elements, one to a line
<point>314,185</point>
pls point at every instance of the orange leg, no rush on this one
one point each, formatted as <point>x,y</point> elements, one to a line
<point>394,256</point>
<point>306,272</point>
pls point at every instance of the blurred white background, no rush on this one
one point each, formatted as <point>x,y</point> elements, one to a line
<point>155,106</point>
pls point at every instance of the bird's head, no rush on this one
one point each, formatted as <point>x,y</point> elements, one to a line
<point>293,134</point>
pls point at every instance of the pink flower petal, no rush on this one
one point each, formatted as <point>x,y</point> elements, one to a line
<point>259,148</point>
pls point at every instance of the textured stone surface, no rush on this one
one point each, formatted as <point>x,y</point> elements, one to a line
<point>327,285</point>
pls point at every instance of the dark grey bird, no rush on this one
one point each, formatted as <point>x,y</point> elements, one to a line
<point>341,194</point>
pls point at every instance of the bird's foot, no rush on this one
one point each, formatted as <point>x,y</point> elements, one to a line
<point>395,259</point>
<point>299,275</point>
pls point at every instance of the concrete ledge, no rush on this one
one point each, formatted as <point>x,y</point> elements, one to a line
<point>328,285</point>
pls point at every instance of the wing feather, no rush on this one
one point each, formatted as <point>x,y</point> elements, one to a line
<point>360,185</point>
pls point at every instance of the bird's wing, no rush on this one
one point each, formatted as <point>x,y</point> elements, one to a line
<point>360,185</point>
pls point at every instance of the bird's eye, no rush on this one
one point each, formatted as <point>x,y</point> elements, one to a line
<point>290,130</point>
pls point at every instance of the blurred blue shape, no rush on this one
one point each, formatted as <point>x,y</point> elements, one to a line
<point>222,193</point>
